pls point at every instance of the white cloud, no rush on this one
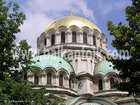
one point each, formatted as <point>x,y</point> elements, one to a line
<point>111,6</point>
<point>40,13</point>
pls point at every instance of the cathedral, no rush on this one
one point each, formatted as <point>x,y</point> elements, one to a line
<point>71,61</point>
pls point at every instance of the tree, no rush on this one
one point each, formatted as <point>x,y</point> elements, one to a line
<point>10,20</point>
<point>23,55</point>
<point>13,89</point>
<point>128,38</point>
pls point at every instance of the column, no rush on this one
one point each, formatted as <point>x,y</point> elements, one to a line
<point>79,37</point>
<point>69,37</point>
<point>57,38</point>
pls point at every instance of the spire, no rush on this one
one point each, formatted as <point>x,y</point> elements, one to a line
<point>71,12</point>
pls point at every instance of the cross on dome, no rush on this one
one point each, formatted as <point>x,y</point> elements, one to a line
<point>71,12</point>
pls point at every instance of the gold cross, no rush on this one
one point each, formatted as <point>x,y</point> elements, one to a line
<point>71,12</point>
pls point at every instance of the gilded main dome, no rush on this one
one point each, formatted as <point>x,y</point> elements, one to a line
<point>72,21</point>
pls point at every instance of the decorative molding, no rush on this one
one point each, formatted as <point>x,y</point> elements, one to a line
<point>57,33</point>
<point>91,85</point>
<point>80,85</point>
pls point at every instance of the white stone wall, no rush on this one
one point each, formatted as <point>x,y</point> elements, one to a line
<point>85,87</point>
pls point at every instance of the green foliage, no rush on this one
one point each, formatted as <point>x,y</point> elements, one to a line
<point>13,89</point>
<point>128,38</point>
<point>10,20</point>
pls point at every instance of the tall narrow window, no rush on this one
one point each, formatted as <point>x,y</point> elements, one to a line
<point>63,37</point>
<point>25,76</point>
<point>111,82</point>
<point>36,79</point>
<point>101,42</point>
<point>94,40</point>
<point>74,36</point>
<point>53,40</point>
<point>70,83</point>
<point>45,41</point>
<point>84,37</point>
<point>60,80</point>
<point>49,79</point>
<point>100,84</point>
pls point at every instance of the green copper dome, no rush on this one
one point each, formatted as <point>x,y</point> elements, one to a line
<point>44,61</point>
<point>104,67</point>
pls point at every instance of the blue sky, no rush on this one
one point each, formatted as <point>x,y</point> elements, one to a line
<point>40,13</point>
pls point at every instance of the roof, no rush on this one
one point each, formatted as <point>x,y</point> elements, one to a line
<point>44,61</point>
<point>93,100</point>
<point>104,67</point>
<point>90,103</point>
<point>71,21</point>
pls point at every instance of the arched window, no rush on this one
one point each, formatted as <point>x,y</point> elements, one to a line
<point>36,79</point>
<point>84,37</point>
<point>25,76</point>
<point>45,41</point>
<point>94,40</point>
<point>60,80</point>
<point>74,36</point>
<point>49,78</point>
<point>100,84</point>
<point>71,83</point>
<point>111,82</point>
<point>63,37</point>
<point>101,42</point>
<point>53,40</point>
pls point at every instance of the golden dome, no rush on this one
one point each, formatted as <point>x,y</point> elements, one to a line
<point>72,21</point>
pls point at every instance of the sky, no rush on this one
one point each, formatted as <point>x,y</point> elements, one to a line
<point>40,13</point>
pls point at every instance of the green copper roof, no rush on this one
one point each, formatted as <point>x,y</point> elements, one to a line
<point>44,61</point>
<point>104,67</point>
<point>91,104</point>
<point>94,101</point>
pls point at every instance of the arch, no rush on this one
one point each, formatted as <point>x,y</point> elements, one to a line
<point>74,28</point>
<point>52,39</point>
<point>74,36</point>
<point>50,32</point>
<point>49,69</point>
<point>96,32</point>
<point>112,83</point>
<point>62,37</point>
<point>62,29</point>
<point>65,75</point>
<point>64,72</point>
<point>100,84</point>
<point>49,79</point>
<point>84,37</point>
<point>60,80</point>
<point>99,75</point>
<point>110,74</point>
<point>86,29</point>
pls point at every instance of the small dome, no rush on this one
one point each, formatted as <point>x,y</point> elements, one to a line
<point>104,67</point>
<point>72,21</point>
<point>44,61</point>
